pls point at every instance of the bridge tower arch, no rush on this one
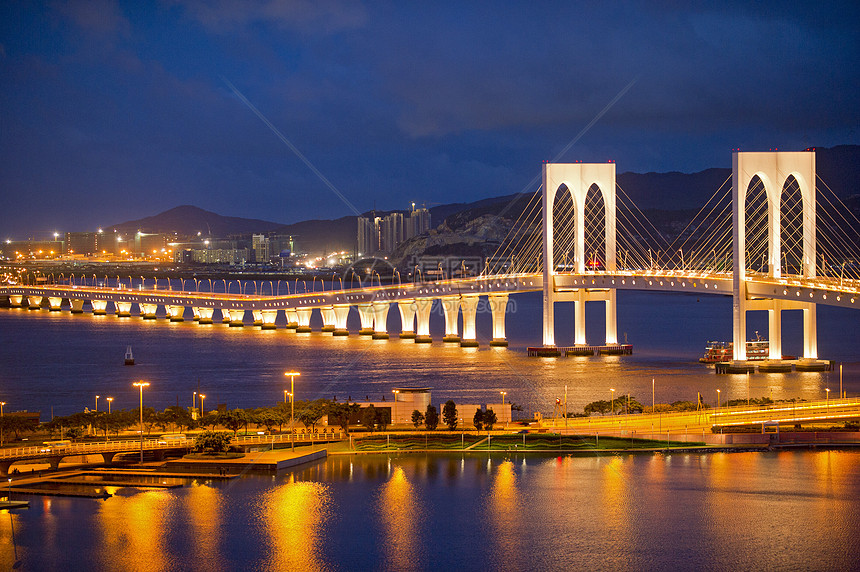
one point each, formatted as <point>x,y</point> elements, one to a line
<point>578,178</point>
<point>774,170</point>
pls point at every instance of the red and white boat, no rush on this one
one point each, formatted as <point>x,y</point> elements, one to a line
<point>716,352</point>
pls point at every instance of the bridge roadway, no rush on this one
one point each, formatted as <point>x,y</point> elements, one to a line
<point>414,300</point>
<point>833,410</point>
<point>109,449</point>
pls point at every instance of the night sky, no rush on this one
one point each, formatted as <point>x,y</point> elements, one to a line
<point>115,111</point>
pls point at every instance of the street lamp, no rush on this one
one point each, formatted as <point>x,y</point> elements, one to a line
<point>109,400</point>
<point>504,393</point>
<point>141,384</point>
<point>292,375</point>
<point>718,399</point>
<point>285,396</point>
<point>612,411</point>
<point>827,389</point>
<point>2,403</point>
<point>97,403</point>
<point>202,397</point>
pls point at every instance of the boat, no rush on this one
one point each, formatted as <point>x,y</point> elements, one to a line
<point>716,352</point>
<point>129,357</point>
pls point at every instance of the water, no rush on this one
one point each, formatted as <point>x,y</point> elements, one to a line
<point>62,361</point>
<point>788,510</point>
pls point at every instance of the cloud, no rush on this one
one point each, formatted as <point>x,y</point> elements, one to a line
<point>309,16</point>
<point>102,18</point>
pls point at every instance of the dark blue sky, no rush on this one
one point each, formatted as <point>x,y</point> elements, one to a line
<point>112,111</point>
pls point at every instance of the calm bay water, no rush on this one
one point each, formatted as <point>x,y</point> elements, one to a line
<point>59,360</point>
<point>737,511</point>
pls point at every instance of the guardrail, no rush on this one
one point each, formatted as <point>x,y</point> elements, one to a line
<point>149,444</point>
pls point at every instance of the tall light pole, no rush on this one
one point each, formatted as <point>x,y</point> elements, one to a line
<point>2,403</point>
<point>612,411</point>
<point>841,395</point>
<point>653,406</point>
<point>141,384</point>
<point>202,397</point>
<point>97,403</point>
<point>292,375</point>
<point>827,389</point>
<point>285,396</point>
<point>504,393</point>
<point>109,400</point>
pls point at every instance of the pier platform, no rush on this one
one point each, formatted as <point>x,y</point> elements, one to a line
<point>773,366</point>
<point>264,461</point>
<point>582,350</point>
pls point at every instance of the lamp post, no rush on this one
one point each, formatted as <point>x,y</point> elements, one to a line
<point>202,397</point>
<point>504,393</point>
<point>285,396</point>
<point>292,375</point>
<point>141,384</point>
<point>97,403</point>
<point>653,406</point>
<point>109,400</point>
<point>2,403</point>
<point>718,399</point>
<point>612,407</point>
<point>193,401</point>
<point>827,402</point>
<point>841,395</point>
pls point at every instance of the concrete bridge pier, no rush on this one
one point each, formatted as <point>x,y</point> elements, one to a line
<point>123,309</point>
<point>451,310</point>
<point>204,315</point>
<point>175,313</point>
<point>148,311</point>
<point>810,332</point>
<point>328,319</point>
<point>380,320</point>
<point>257,316</point>
<point>108,457</point>
<point>341,313</point>
<point>55,304</point>
<point>34,302</point>
<point>77,305</point>
<point>195,313</point>
<point>498,306</point>
<point>407,319</point>
<point>4,467</point>
<point>15,300</point>
<point>268,319</point>
<point>99,307</point>
<point>365,313</point>
<point>292,319</point>
<point>422,313</point>
<point>304,320</point>
<point>237,318</point>
<point>469,304</point>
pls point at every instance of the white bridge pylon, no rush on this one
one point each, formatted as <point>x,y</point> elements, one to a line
<point>774,169</point>
<point>578,178</point>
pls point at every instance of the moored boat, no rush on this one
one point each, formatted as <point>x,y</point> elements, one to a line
<point>716,352</point>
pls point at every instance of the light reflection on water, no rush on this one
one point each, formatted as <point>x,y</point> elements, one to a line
<point>429,512</point>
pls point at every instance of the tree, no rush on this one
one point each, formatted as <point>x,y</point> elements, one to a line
<point>368,418</point>
<point>312,413</point>
<point>431,418</point>
<point>449,414</point>
<point>212,442</point>
<point>601,406</point>
<point>340,413</point>
<point>383,419</point>
<point>234,419</point>
<point>489,419</point>
<point>478,419</point>
<point>417,418</point>
<point>266,417</point>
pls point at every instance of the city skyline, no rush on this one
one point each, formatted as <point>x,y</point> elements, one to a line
<point>115,106</point>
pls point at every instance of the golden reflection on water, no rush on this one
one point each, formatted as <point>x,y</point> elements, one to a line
<point>615,504</point>
<point>505,516</point>
<point>204,508</point>
<point>295,516</point>
<point>399,513</point>
<point>133,530</point>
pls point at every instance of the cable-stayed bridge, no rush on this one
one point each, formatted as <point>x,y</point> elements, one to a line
<point>773,236</point>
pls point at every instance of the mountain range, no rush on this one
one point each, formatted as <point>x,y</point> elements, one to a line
<point>669,195</point>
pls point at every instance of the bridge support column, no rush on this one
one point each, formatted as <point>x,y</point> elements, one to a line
<point>469,304</point>
<point>422,313</point>
<point>237,318</point>
<point>15,300</point>
<point>99,307</point>
<point>498,306</point>
<point>810,332</point>
<point>225,316</point>
<point>204,315</point>
<point>195,313</point>
<point>380,320</point>
<point>257,315</point>
<point>407,319</point>
<point>292,319</point>
<point>611,317</point>
<point>451,309</point>
<point>304,318</point>
<point>123,309</point>
<point>55,304</point>
<point>774,330</point>
<point>579,318</point>
<point>365,312</point>
<point>341,313</point>
<point>148,311</point>
<point>328,319</point>
<point>77,305</point>
<point>175,313</point>
<point>268,319</point>
<point>34,302</point>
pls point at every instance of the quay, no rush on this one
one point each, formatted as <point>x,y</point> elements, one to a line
<point>262,461</point>
<point>581,350</point>
<point>773,366</point>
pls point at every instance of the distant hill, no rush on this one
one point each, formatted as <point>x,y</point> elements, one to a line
<point>190,220</point>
